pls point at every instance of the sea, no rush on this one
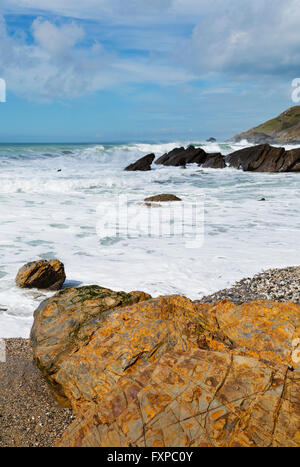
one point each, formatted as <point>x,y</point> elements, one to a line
<point>76,203</point>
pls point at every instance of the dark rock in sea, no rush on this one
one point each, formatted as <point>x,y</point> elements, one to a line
<point>59,170</point>
<point>214,161</point>
<point>41,274</point>
<point>262,199</point>
<point>265,158</point>
<point>67,321</point>
<point>168,156</point>
<point>143,164</point>
<point>164,198</point>
<point>211,140</point>
<point>180,157</point>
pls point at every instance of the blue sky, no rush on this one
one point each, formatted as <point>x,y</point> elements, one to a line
<point>134,70</point>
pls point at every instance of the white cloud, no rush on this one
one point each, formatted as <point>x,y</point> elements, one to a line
<point>54,39</point>
<point>56,65</point>
<point>253,39</point>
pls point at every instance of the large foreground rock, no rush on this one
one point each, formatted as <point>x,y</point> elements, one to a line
<point>164,198</point>
<point>67,321</point>
<point>195,399</point>
<point>143,164</point>
<point>265,158</point>
<point>42,274</point>
<point>169,372</point>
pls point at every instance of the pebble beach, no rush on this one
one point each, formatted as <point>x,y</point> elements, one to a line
<point>29,414</point>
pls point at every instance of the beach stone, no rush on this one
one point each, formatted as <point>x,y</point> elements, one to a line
<point>170,372</point>
<point>164,198</point>
<point>265,158</point>
<point>67,321</point>
<point>41,274</point>
<point>143,164</point>
<point>214,161</point>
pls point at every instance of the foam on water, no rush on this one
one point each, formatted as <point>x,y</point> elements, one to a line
<point>48,214</point>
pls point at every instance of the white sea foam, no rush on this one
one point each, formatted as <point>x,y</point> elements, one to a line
<point>47,214</point>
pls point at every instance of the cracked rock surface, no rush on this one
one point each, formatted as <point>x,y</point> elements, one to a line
<point>170,372</point>
<point>280,285</point>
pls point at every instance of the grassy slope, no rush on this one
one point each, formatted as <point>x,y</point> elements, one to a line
<point>284,128</point>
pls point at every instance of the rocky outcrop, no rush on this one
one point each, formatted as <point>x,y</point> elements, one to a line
<point>67,321</point>
<point>42,274</point>
<point>143,164</point>
<point>211,140</point>
<point>260,158</point>
<point>180,157</point>
<point>283,129</point>
<point>170,372</point>
<point>214,161</point>
<point>164,198</point>
<point>265,158</point>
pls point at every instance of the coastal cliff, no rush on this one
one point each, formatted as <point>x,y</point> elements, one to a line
<point>283,129</point>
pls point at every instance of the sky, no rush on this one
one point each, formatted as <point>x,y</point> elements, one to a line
<point>140,70</point>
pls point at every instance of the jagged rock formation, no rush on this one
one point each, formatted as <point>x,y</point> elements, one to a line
<point>283,129</point>
<point>180,157</point>
<point>214,161</point>
<point>265,158</point>
<point>41,274</point>
<point>170,372</point>
<point>143,164</point>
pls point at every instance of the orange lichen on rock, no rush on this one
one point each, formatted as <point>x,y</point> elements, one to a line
<point>67,322</point>
<point>169,372</point>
